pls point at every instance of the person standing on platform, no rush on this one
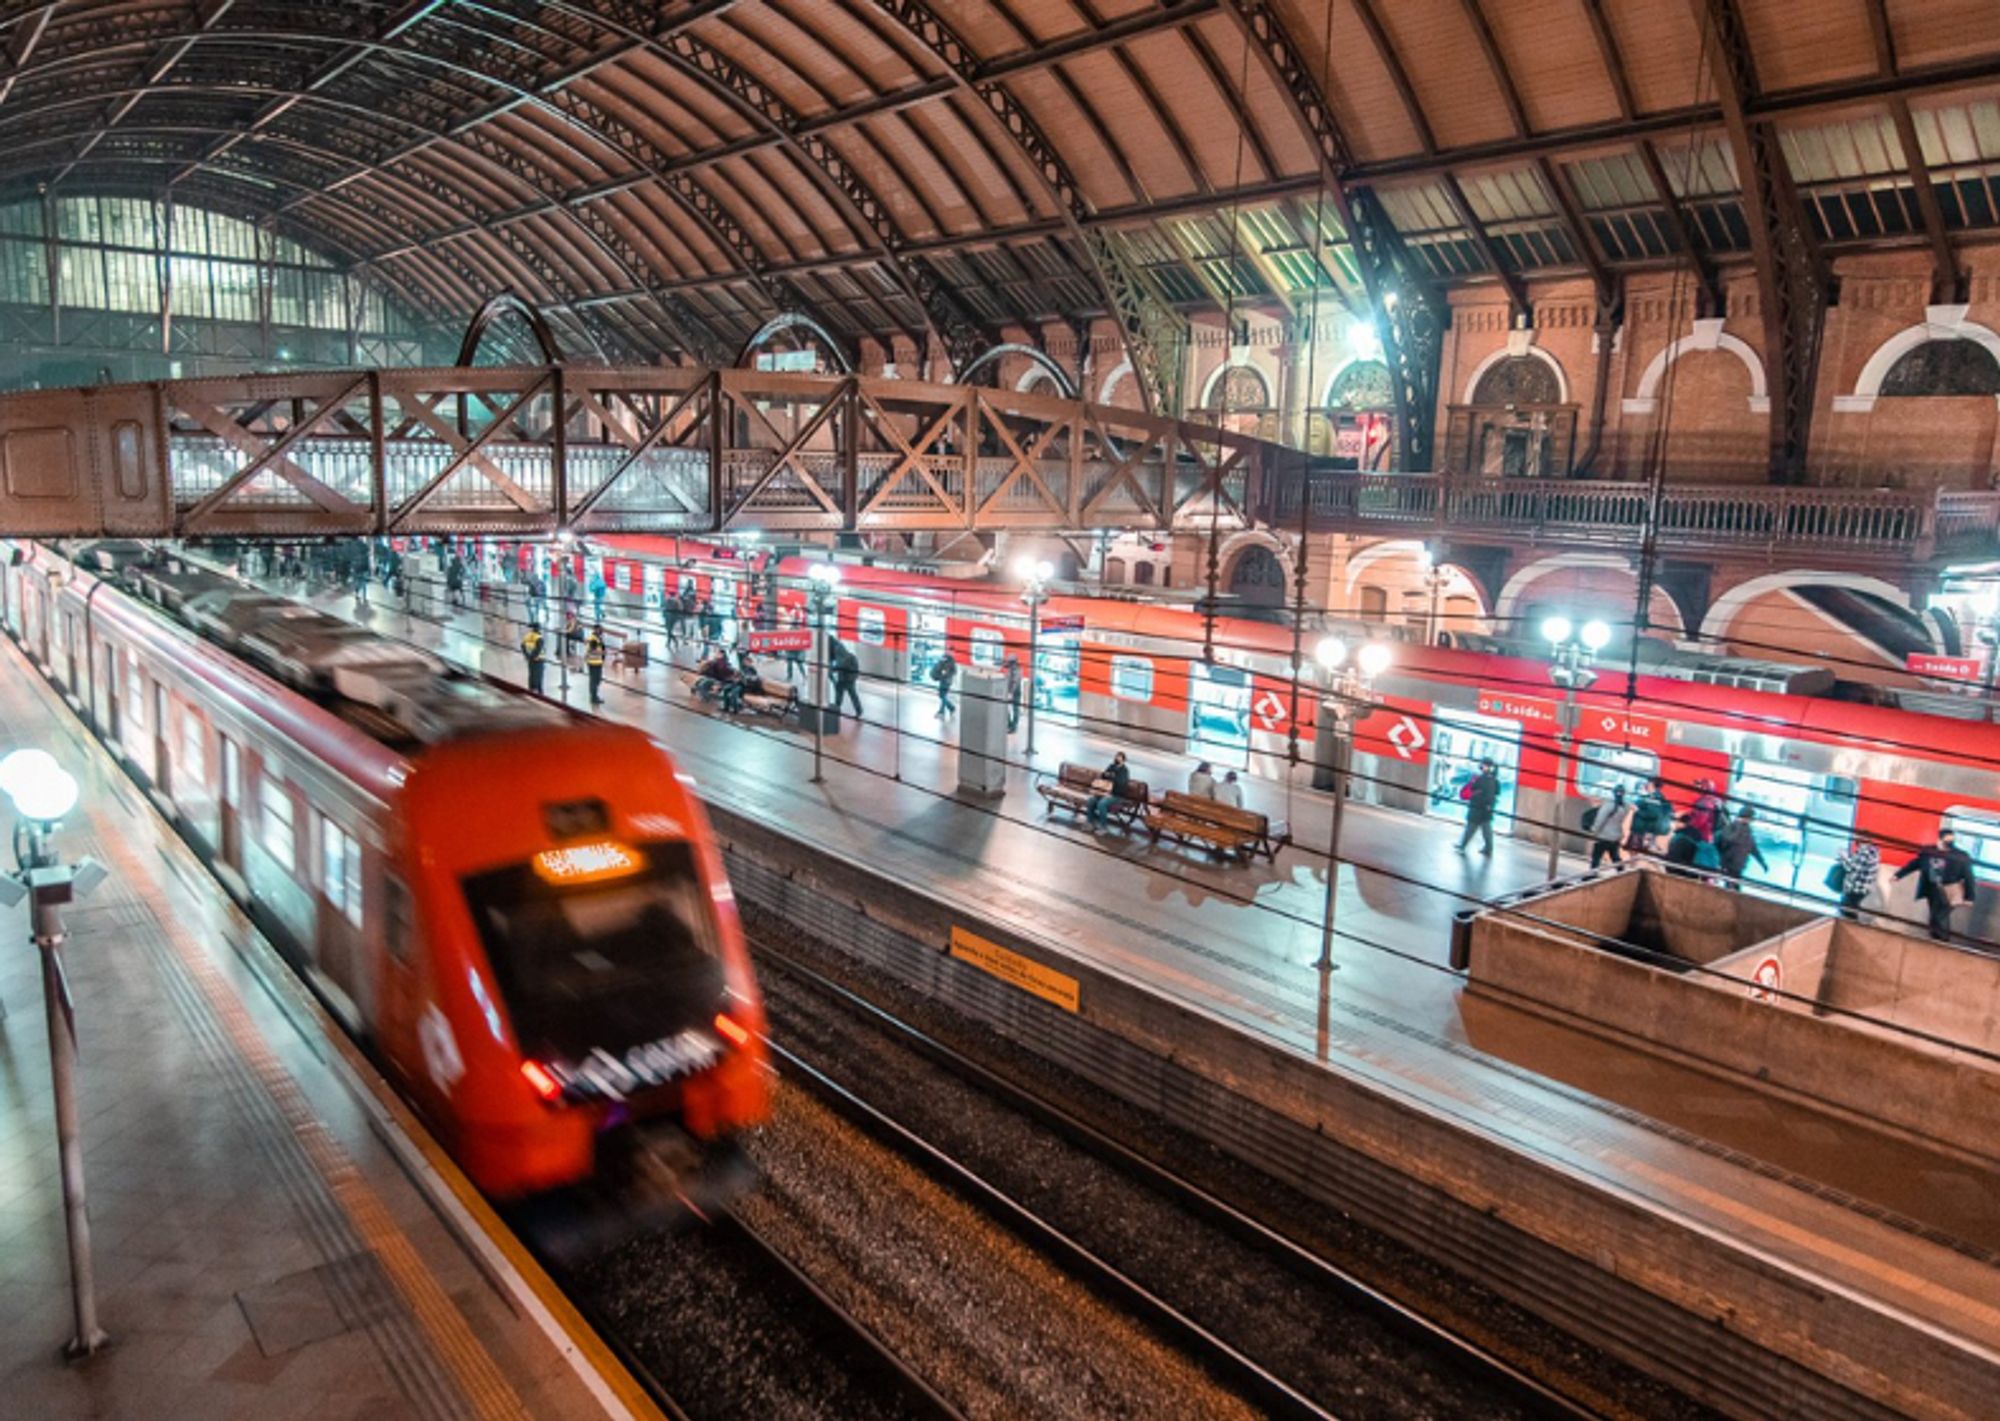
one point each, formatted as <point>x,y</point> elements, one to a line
<point>1014,679</point>
<point>593,663</point>
<point>845,667</point>
<point>793,619</point>
<point>944,671</point>
<point>599,590</point>
<point>357,571</point>
<point>454,580</point>
<point>670,614</point>
<point>1652,816</point>
<point>1482,796</point>
<point>572,635</point>
<point>1853,877</point>
<point>531,647</point>
<point>1201,784</point>
<point>1706,815</point>
<point>711,626</point>
<point>1736,844</point>
<point>1607,830</point>
<point>1229,792</point>
<point>1107,789</point>
<point>538,596</point>
<point>1944,881</point>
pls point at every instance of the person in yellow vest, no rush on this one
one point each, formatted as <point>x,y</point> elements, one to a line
<point>531,647</point>
<point>593,661</point>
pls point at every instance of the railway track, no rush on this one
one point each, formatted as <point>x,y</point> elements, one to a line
<point>1417,1365</point>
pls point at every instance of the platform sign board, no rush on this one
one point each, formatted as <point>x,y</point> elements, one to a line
<point>786,639</point>
<point>1533,711</point>
<point>1059,625</point>
<point>1616,727</point>
<point>1943,668</point>
<point>1397,729</point>
<point>1017,971</point>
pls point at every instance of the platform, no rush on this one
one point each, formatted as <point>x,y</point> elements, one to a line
<point>1916,1232</point>
<point>263,1246</point>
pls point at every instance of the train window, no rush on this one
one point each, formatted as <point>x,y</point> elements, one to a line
<point>274,804</point>
<point>232,773</point>
<point>987,647</point>
<point>194,772</point>
<point>611,964</point>
<point>340,870</point>
<point>135,695</point>
<point>1978,833</point>
<point>1132,678</point>
<point>1603,768</point>
<point>871,626</point>
<point>398,921</point>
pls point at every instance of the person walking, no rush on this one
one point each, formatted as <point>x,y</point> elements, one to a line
<point>1014,679</point>
<point>845,668</point>
<point>670,616</point>
<point>1229,792</point>
<point>944,671</point>
<point>538,597</point>
<point>1652,817</point>
<point>1706,815</point>
<point>454,580</point>
<point>1482,796</point>
<point>1944,881</point>
<point>1107,789</point>
<point>711,626</point>
<point>593,662</point>
<point>598,592</point>
<point>1612,820</point>
<point>1685,848</point>
<point>1736,844</point>
<point>531,647</point>
<point>793,619</point>
<point>1201,784</point>
<point>1853,876</point>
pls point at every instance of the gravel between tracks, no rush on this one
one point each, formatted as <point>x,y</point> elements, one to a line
<point>1318,1341</point>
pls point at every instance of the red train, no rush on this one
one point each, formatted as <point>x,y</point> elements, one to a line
<point>1821,769</point>
<point>520,911</point>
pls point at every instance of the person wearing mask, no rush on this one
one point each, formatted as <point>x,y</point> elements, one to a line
<point>1230,791</point>
<point>944,671</point>
<point>1736,844</point>
<point>1608,828</point>
<point>1853,877</point>
<point>593,663</point>
<point>1107,789</point>
<point>1482,796</point>
<point>1944,881</point>
<point>1706,815</point>
<point>1201,784</point>
<point>531,647</point>
<point>845,668</point>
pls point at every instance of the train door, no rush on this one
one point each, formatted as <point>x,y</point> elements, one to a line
<point>1219,714</point>
<point>59,649</point>
<point>108,716</point>
<point>1600,769</point>
<point>338,919</point>
<point>163,775</point>
<point>73,654</point>
<point>653,585</point>
<point>1058,680</point>
<point>231,845</point>
<point>1459,741</point>
<point>1803,821</point>
<point>927,642</point>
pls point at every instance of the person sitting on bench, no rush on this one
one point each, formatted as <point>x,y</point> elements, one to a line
<point>715,677</point>
<point>1107,789</point>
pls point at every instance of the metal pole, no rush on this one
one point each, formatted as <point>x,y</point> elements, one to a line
<point>48,932</point>
<point>1326,962</point>
<point>1563,739</point>
<point>819,681</point>
<point>1034,626</point>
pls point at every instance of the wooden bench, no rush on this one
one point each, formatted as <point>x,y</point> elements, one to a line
<point>1071,790</point>
<point>780,703</point>
<point>1220,828</point>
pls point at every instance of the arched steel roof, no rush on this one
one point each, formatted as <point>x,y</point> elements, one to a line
<point>671,174</point>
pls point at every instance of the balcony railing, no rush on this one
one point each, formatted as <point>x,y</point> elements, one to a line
<point>1885,524</point>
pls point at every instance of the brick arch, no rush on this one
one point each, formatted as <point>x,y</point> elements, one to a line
<point>1513,595</point>
<point>1706,335</point>
<point>1731,604</point>
<point>1944,323</point>
<point>1507,353</point>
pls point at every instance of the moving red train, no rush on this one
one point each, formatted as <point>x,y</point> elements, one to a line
<point>520,911</point>
<point>1821,770</point>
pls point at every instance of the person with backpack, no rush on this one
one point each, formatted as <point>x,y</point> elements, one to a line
<point>1736,844</point>
<point>1706,815</point>
<point>944,672</point>
<point>1652,817</point>
<point>1607,822</point>
<point>845,667</point>
<point>1481,795</point>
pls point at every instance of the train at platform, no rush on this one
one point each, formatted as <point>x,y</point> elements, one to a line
<point>521,912</point>
<point>1821,770</point>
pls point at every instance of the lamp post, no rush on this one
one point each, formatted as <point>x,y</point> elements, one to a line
<point>1349,680</point>
<point>1034,591</point>
<point>825,579</point>
<point>43,792</point>
<point>1433,580</point>
<point>1571,652</point>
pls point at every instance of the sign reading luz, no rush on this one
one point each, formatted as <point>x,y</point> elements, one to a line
<point>1014,969</point>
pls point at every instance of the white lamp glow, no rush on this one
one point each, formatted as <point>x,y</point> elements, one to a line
<point>1557,630</point>
<point>1375,658</point>
<point>41,789</point>
<point>1024,568</point>
<point>1364,341</point>
<point>1331,653</point>
<point>1044,570</point>
<point>826,574</point>
<point>1595,635</point>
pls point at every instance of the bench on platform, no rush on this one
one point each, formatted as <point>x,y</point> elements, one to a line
<point>780,703</point>
<point>1071,790</point>
<point>1221,828</point>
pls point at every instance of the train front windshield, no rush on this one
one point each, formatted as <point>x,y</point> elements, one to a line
<point>607,961</point>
